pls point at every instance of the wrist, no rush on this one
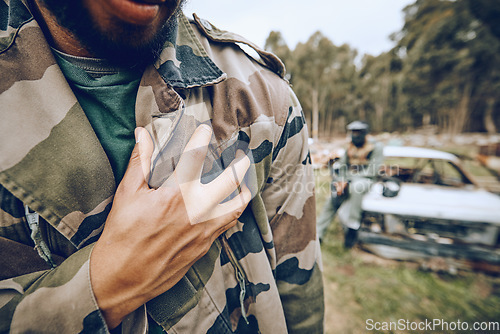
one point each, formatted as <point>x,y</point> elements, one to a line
<point>114,297</point>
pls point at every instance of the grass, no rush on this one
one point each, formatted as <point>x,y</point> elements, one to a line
<point>361,286</point>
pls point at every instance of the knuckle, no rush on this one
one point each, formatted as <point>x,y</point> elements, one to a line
<point>196,153</point>
<point>173,194</point>
<point>205,246</point>
<point>232,224</point>
<point>231,181</point>
<point>237,212</point>
<point>207,234</point>
<point>240,209</point>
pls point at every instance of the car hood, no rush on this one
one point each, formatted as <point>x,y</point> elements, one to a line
<point>433,201</point>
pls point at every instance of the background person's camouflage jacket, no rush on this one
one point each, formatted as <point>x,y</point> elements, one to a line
<point>51,161</point>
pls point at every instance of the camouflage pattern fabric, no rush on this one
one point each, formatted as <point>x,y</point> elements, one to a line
<point>52,161</point>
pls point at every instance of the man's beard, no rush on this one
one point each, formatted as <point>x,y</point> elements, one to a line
<point>118,46</point>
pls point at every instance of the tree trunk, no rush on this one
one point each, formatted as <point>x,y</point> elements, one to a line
<point>329,122</point>
<point>489,122</point>
<point>447,121</point>
<point>426,119</point>
<point>322,131</point>
<point>457,121</point>
<point>379,112</point>
<point>315,114</point>
<point>362,114</point>
<point>339,126</point>
<point>308,116</point>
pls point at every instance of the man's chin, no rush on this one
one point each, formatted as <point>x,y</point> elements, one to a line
<point>130,46</point>
<point>126,56</point>
<point>121,43</point>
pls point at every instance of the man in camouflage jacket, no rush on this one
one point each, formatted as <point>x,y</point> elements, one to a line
<point>258,273</point>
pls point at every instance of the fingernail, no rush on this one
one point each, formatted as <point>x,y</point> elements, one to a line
<point>206,128</point>
<point>138,135</point>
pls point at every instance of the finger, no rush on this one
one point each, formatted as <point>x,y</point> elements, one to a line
<point>230,210</point>
<point>230,179</point>
<point>191,161</point>
<point>139,164</point>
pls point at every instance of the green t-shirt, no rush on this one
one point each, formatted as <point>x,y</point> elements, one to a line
<point>107,96</point>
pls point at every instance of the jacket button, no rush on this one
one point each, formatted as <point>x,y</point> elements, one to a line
<point>206,24</point>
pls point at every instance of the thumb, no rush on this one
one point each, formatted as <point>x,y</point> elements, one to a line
<point>139,164</point>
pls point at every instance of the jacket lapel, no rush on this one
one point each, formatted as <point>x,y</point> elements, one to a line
<point>50,157</point>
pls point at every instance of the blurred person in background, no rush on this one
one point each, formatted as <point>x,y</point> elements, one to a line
<point>352,176</point>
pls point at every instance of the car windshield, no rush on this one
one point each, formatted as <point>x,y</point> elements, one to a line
<point>426,171</point>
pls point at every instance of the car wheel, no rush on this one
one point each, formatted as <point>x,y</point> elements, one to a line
<point>350,237</point>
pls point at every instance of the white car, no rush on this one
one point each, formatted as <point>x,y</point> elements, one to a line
<point>439,210</point>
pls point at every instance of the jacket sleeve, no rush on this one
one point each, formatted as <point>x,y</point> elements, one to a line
<point>46,301</point>
<point>290,204</point>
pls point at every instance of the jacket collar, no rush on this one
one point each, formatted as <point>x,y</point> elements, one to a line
<point>183,63</point>
<point>51,158</point>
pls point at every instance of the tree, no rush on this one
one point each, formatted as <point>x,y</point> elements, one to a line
<point>276,44</point>
<point>444,70</point>
<point>451,65</point>
<point>323,76</point>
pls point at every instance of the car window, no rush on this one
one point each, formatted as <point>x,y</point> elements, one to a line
<point>485,177</point>
<point>449,175</point>
<point>401,168</point>
<point>424,170</point>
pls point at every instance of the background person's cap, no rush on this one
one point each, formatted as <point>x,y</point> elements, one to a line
<point>357,125</point>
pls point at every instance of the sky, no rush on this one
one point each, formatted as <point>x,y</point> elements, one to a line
<point>363,24</point>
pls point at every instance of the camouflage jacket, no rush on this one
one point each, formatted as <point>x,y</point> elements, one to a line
<point>52,162</point>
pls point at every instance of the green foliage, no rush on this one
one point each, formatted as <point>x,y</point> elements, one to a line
<point>450,66</point>
<point>444,70</point>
